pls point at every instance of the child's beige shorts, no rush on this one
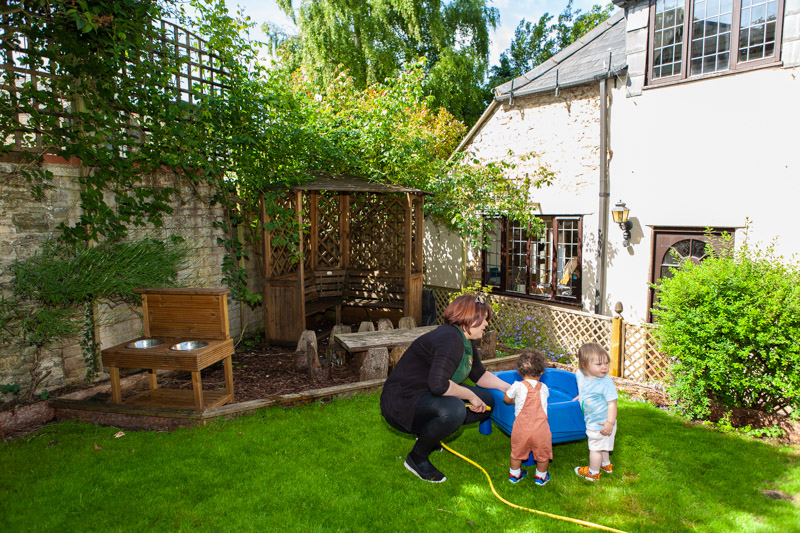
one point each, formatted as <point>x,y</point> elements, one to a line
<point>599,442</point>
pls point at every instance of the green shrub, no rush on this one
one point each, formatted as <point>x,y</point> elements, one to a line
<point>732,325</point>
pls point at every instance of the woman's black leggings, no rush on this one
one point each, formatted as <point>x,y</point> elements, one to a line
<point>438,417</point>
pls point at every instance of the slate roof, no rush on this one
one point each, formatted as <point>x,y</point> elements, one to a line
<point>598,54</point>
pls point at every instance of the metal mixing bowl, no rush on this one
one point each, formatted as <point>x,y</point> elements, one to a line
<point>188,345</point>
<point>144,343</point>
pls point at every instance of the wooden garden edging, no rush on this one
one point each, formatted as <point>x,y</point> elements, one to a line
<point>144,417</point>
<point>154,418</point>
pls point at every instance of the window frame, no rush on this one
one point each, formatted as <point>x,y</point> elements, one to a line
<point>664,237</point>
<point>734,66</point>
<point>552,228</point>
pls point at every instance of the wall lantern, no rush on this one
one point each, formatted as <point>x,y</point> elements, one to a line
<point>620,214</point>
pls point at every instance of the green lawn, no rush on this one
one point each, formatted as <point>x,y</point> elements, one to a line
<point>339,467</point>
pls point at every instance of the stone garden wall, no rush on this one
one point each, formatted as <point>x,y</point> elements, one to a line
<point>26,223</point>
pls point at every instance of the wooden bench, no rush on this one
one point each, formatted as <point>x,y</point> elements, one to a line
<point>332,289</point>
<point>374,290</point>
<point>323,291</point>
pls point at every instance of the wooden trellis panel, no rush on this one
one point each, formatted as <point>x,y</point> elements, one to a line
<point>441,297</point>
<point>282,264</point>
<point>26,61</point>
<point>641,360</point>
<point>372,215</point>
<point>308,258</point>
<point>328,246</point>
<point>558,331</point>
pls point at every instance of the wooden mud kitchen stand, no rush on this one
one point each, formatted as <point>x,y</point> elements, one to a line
<point>184,329</point>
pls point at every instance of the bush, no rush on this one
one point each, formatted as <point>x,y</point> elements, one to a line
<point>732,325</point>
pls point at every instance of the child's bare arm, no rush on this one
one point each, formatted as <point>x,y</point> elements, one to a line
<point>611,418</point>
<point>507,399</point>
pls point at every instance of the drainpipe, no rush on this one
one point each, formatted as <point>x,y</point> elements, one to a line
<point>602,219</point>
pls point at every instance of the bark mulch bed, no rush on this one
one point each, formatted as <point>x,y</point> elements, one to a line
<point>265,372</point>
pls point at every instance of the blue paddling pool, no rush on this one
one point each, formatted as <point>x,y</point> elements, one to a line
<point>563,413</point>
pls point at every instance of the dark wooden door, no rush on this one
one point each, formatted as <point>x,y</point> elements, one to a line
<point>672,247</point>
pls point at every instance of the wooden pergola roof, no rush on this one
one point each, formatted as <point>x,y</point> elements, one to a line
<point>349,183</point>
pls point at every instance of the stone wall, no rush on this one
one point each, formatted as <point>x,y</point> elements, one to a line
<point>26,223</point>
<point>563,131</point>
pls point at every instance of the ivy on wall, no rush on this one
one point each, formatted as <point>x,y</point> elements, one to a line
<point>108,100</point>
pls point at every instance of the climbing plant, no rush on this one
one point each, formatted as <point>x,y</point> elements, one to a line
<point>107,98</point>
<point>55,289</point>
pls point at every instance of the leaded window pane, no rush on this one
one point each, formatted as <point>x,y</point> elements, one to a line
<point>714,17</point>
<point>567,258</point>
<point>697,30</point>
<point>772,11</point>
<point>541,254</point>
<point>517,258</point>
<point>770,35</point>
<point>757,34</point>
<point>494,253</point>
<point>699,249</point>
<point>757,30</point>
<point>668,44</point>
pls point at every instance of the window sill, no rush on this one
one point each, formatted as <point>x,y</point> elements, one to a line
<point>540,298</point>
<point>657,85</point>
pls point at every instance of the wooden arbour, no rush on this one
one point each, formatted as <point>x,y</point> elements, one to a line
<point>361,246</point>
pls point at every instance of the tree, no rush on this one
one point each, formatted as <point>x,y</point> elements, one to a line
<point>535,43</point>
<point>374,39</point>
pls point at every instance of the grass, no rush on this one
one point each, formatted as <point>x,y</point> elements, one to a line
<point>339,467</point>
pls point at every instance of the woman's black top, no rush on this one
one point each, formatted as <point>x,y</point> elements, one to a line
<point>426,366</point>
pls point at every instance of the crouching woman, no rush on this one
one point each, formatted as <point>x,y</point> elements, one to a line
<point>425,394</point>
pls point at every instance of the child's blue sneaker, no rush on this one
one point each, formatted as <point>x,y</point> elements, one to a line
<point>542,480</point>
<point>517,479</point>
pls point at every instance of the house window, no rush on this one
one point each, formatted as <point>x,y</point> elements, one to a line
<point>545,265</point>
<point>694,38</point>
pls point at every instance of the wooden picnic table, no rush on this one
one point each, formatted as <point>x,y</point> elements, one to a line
<point>361,342</point>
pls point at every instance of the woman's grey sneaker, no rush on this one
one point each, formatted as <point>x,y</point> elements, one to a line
<point>424,470</point>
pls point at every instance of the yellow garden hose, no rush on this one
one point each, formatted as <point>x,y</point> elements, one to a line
<point>515,506</point>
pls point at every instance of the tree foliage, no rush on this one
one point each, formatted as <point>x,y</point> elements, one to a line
<point>732,325</point>
<point>389,133</point>
<point>374,39</point>
<point>535,43</point>
<point>111,104</point>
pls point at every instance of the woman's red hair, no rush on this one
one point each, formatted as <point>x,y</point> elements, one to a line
<point>467,311</point>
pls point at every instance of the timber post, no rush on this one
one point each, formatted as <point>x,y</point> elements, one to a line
<point>617,341</point>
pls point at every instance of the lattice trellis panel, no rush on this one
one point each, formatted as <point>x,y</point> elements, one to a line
<point>306,199</point>
<point>328,252</point>
<point>560,332</point>
<point>281,254</point>
<point>441,297</point>
<point>557,332</point>
<point>377,233</point>
<point>641,360</point>
<point>26,60</point>
<point>416,234</point>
